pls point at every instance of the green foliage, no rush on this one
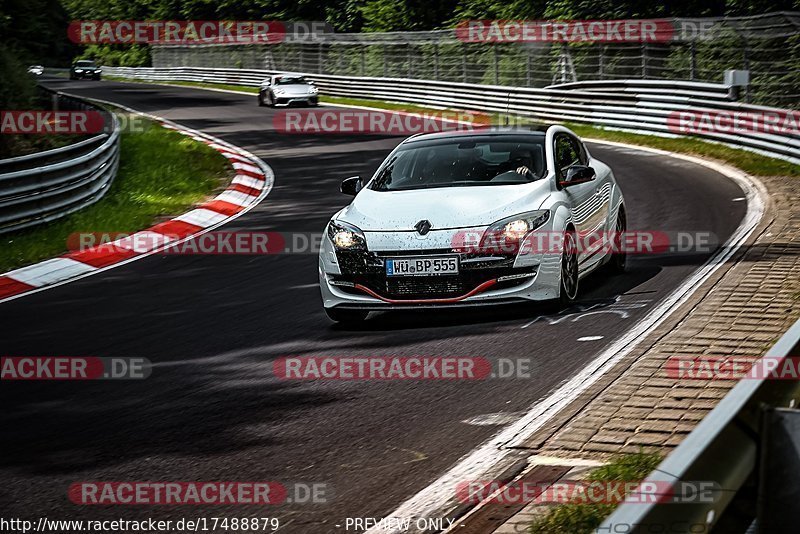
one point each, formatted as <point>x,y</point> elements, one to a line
<point>117,56</point>
<point>36,31</point>
<point>585,518</point>
<point>17,86</point>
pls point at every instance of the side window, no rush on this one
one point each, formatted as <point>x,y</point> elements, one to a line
<point>567,154</point>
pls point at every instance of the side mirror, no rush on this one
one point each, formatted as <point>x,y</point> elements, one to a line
<point>578,174</point>
<point>351,186</point>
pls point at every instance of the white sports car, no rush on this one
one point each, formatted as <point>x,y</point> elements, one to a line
<point>286,90</point>
<point>472,218</point>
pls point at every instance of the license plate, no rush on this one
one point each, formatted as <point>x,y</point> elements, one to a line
<point>422,266</point>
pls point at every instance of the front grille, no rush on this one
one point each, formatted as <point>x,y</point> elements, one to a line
<point>368,269</point>
<point>424,286</point>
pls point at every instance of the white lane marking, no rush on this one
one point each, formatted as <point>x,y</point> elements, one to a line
<point>497,454</point>
<point>246,167</point>
<point>590,338</point>
<point>305,286</point>
<point>233,158</point>
<point>50,271</point>
<point>491,419</point>
<point>247,181</point>
<point>202,217</point>
<point>739,199</point>
<point>220,148</point>
<point>143,241</point>
<point>236,197</point>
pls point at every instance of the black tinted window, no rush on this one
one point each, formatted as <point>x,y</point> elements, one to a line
<point>463,161</point>
<point>289,80</point>
<point>568,153</point>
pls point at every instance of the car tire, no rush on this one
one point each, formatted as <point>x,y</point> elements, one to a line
<point>568,279</point>
<point>261,100</point>
<point>346,317</point>
<point>619,258</point>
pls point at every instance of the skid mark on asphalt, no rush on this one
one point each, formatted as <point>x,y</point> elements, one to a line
<point>581,311</point>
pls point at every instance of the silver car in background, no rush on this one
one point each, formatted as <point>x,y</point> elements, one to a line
<point>287,89</point>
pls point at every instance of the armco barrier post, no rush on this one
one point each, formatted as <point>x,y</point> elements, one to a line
<point>779,480</point>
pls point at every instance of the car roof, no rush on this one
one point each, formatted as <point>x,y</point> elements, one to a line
<point>534,130</point>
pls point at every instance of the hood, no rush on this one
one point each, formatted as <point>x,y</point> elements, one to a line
<point>294,89</point>
<point>444,207</point>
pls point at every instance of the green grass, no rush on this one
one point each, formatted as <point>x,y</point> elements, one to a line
<point>585,518</point>
<point>162,173</point>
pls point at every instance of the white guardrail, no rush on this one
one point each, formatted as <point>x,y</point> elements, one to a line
<point>643,106</point>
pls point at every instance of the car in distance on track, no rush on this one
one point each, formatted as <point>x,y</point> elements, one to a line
<point>287,89</point>
<point>84,68</point>
<point>36,70</point>
<point>449,219</point>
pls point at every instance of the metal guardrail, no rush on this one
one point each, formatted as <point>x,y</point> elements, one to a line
<point>724,448</point>
<point>642,106</point>
<point>41,187</point>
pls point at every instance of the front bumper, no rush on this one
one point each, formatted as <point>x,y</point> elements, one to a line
<point>358,280</point>
<point>289,100</point>
<point>85,74</point>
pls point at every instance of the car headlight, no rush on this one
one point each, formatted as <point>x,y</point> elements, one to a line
<point>507,234</point>
<point>78,70</point>
<point>346,236</point>
<point>313,90</point>
<point>278,91</point>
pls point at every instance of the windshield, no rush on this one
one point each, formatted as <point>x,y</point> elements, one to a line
<point>84,64</point>
<point>465,161</point>
<point>290,80</point>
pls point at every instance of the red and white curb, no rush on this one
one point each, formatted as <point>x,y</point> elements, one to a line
<point>252,183</point>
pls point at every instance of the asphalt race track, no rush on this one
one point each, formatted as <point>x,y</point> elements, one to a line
<point>212,409</point>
